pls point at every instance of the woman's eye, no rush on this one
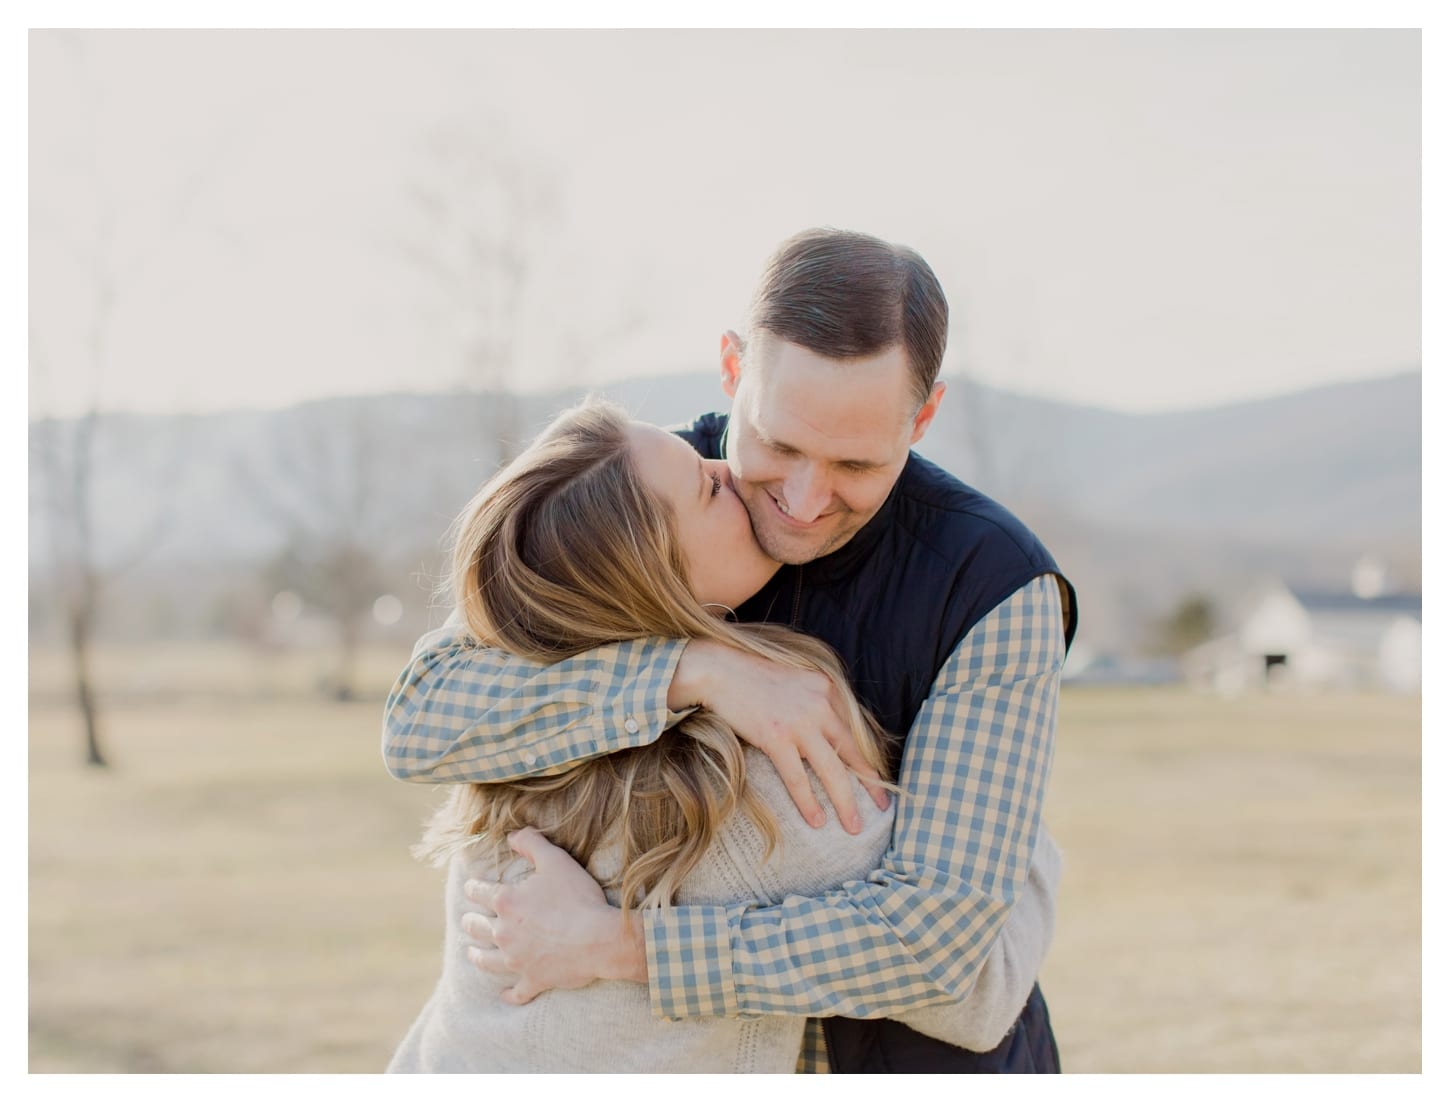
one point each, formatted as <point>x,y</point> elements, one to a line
<point>714,484</point>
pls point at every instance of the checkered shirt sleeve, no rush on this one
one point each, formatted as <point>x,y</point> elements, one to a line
<point>916,931</point>
<point>461,712</point>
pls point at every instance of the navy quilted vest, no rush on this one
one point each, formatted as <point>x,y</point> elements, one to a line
<point>894,602</point>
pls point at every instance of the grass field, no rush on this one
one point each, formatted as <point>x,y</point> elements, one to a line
<point>1242,890</point>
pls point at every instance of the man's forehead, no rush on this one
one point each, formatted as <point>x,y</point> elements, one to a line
<point>867,378</point>
<point>821,432</point>
<point>856,410</point>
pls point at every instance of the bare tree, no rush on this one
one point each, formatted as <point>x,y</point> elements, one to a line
<point>61,453</point>
<point>332,488</point>
<point>1192,621</point>
<point>478,208</point>
<point>107,251</point>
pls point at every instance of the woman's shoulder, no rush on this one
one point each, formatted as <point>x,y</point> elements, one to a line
<point>805,860</point>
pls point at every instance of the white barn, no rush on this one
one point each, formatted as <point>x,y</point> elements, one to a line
<point>1313,640</point>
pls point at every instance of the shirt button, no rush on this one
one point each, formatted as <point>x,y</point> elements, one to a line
<point>531,759</point>
<point>631,726</point>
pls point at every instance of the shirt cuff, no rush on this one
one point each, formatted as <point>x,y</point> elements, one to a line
<point>638,712</point>
<point>687,950</point>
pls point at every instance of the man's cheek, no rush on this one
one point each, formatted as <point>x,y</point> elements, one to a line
<point>752,480</point>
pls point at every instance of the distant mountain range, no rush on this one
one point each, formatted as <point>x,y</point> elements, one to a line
<point>1138,508</point>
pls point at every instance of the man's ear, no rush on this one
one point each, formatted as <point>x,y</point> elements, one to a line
<point>928,410</point>
<point>730,352</point>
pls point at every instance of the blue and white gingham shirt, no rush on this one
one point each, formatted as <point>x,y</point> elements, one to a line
<point>913,933</point>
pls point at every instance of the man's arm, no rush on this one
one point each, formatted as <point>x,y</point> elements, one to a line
<point>918,930</point>
<point>915,933</point>
<point>535,929</point>
<point>980,1020</point>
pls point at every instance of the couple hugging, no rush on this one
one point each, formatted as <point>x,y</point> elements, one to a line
<point>747,725</point>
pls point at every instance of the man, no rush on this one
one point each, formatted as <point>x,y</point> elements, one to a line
<point>952,619</point>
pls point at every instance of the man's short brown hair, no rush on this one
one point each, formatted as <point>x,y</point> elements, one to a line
<point>843,294</point>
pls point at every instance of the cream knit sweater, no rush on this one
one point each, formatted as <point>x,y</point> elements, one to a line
<point>608,1027</point>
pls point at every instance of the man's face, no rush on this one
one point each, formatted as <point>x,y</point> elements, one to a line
<point>816,444</point>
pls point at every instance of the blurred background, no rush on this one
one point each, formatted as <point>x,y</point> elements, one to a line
<point>293,295</point>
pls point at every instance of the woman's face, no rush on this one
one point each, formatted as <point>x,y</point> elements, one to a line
<point>726,565</point>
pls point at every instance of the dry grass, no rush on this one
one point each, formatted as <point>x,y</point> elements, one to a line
<point>1242,890</point>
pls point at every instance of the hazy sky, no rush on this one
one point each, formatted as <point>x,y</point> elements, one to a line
<point>1134,219</point>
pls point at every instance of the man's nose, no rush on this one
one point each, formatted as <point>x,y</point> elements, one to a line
<point>807,492</point>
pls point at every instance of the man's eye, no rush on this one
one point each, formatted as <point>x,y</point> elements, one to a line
<point>714,484</point>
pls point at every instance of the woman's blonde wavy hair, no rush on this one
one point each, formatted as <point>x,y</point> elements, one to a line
<point>567,549</point>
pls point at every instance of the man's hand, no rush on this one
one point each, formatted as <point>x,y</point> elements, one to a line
<point>552,927</point>
<point>795,717</point>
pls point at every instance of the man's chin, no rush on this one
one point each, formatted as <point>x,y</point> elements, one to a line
<point>791,545</point>
<point>794,548</point>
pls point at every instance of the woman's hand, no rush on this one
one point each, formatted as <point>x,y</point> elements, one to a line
<point>551,927</point>
<point>794,717</point>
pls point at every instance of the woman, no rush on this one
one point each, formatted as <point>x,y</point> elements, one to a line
<point>606,530</point>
